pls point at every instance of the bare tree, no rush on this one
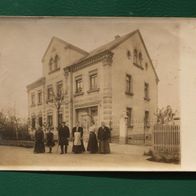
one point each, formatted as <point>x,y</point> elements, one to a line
<point>165,115</point>
<point>57,101</point>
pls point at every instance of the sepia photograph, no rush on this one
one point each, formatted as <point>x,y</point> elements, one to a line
<point>91,94</point>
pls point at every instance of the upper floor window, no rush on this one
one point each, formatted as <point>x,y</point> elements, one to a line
<point>146,91</point>
<point>33,99</point>
<point>79,85</point>
<point>39,97</point>
<point>129,84</point>
<point>93,81</point>
<point>129,115</point>
<point>50,93</point>
<point>59,89</point>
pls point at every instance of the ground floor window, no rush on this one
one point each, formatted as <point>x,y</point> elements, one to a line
<point>33,123</point>
<point>60,118</point>
<point>50,120</point>
<point>129,115</point>
<point>146,120</point>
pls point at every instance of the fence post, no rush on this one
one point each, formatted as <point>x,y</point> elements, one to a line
<point>166,138</point>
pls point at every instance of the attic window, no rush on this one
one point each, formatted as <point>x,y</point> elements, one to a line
<point>146,66</point>
<point>56,62</point>
<point>140,58</point>
<point>51,64</point>
<point>135,56</point>
<point>137,59</point>
<point>128,54</point>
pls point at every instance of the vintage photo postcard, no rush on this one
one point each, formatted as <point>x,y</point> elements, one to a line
<point>97,94</point>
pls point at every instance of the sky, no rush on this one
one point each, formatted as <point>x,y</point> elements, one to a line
<point>23,43</point>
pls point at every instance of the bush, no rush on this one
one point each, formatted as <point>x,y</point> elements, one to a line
<point>165,157</point>
<point>10,133</point>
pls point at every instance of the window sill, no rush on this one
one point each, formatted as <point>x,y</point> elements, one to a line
<point>54,70</point>
<point>49,101</point>
<point>78,94</point>
<point>147,98</point>
<point>93,90</point>
<point>130,126</point>
<point>139,66</point>
<point>129,93</point>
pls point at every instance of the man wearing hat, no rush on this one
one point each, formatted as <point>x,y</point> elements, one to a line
<point>64,134</point>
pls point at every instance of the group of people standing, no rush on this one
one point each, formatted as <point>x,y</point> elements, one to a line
<point>98,141</point>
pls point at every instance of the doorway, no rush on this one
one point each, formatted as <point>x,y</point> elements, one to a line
<point>85,116</point>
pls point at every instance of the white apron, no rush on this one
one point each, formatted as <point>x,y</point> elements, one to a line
<point>77,139</point>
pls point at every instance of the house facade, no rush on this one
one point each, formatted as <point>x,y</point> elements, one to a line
<point>113,82</point>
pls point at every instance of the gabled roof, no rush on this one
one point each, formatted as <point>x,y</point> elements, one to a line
<point>106,47</point>
<point>113,44</point>
<point>67,45</point>
<point>157,78</point>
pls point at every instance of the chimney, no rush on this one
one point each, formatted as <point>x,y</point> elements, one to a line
<point>117,36</point>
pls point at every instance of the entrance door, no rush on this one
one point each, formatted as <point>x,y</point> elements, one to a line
<point>94,114</point>
<point>85,117</point>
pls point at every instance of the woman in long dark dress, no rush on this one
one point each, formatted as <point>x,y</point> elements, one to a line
<point>39,141</point>
<point>50,140</point>
<point>104,138</point>
<point>92,146</point>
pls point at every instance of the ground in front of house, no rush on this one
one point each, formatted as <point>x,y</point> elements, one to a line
<point>122,157</point>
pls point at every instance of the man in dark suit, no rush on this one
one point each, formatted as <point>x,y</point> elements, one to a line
<point>64,134</point>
